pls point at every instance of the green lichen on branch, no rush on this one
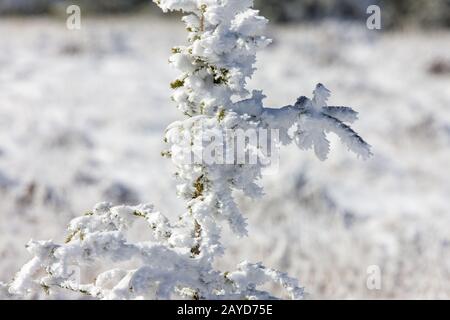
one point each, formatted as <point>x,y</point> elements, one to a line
<point>177,84</point>
<point>195,251</point>
<point>72,235</point>
<point>199,186</point>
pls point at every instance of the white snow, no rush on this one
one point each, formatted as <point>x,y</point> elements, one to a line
<point>82,116</point>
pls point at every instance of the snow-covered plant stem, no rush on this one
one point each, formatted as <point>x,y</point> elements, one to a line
<point>219,57</point>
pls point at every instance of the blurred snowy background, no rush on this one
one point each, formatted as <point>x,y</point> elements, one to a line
<point>82,114</point>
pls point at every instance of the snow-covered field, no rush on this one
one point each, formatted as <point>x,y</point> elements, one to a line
<point>82,115</point>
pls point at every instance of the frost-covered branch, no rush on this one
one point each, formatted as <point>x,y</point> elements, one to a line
<point>163,271</point>
<point>177,260</point>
